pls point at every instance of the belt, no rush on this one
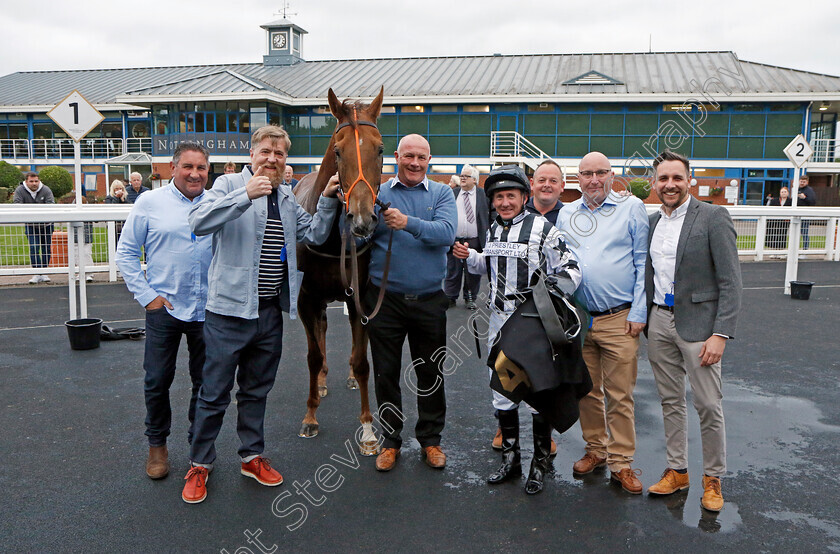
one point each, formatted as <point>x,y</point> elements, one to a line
<point>459,239</point>
<point>269,300</point>
<point>619,308</point>
<point>408,297</point>
<point>666,308</point>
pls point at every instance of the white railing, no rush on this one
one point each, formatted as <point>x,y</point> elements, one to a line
<point>511,147</point>
<point>62,149</point>
<point>825,151</point>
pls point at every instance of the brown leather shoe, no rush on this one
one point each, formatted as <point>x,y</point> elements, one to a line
<point>629,479</point>
<point>589,463</point>
<point>157,465</point>
<point>497,440</point>
<point>553,449</point>
<point>387,459</point>
<point>712,498</point>
<point>434,457</point>
<point>670,482</point>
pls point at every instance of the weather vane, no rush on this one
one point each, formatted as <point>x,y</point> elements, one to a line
<point>285,10</point>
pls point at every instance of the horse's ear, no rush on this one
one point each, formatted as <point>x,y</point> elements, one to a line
<point>376,106</point>
<point>335,106</point>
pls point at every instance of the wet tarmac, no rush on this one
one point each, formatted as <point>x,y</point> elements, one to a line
<point>72,448</point>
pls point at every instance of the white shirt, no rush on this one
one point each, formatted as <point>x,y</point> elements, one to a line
<point>465,229</point>
<point>663,250</point>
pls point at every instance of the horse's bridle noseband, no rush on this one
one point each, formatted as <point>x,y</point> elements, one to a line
<point>361,176</point>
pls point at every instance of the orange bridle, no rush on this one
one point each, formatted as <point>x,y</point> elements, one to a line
<point>361,176</point>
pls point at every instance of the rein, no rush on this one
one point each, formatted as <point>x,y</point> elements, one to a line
<point>351,286</point>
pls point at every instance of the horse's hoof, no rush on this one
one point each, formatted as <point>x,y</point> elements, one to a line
<point>369,448</point>
<point>322,390</point>
<point>308,430</point>
<point>352,384</point>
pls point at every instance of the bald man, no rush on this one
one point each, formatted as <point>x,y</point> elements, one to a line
<point>608,234</point>
<point>423,219</point>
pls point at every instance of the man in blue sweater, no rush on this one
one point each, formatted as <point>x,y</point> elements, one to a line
<point>423,218</point>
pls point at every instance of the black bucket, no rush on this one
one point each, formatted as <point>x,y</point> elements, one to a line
<point>801,290</point>
<point>84,333</point>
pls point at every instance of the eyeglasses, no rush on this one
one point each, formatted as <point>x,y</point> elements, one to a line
<point>589,174</point>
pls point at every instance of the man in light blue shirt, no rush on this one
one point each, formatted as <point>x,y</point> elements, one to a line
<point>173,289</point>
<point>608,233</point>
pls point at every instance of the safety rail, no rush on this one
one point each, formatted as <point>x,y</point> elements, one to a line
<point>62,149</point>
<point>511,147</point>
<point>826,150</point>
<point>763,231</point>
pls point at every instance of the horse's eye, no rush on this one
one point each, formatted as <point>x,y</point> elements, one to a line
<point>381,149</point>
<point>337,153</point>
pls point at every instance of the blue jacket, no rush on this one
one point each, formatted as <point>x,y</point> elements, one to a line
<point>238,226</point>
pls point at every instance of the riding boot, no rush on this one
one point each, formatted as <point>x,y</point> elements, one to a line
<point>541,463</point>
<point>511,465</point>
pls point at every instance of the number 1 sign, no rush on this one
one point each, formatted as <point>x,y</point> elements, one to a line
<point>75,115</point>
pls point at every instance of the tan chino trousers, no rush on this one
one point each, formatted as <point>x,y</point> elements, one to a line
<point>607,413</point>
<point>671,359</point>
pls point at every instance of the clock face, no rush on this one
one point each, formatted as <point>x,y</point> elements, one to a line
<point>278,40</point>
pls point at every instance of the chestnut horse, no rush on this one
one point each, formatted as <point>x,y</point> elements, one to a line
<point>355,153</point>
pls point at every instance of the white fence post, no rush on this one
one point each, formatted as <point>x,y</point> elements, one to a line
<point>112,251</point>
<point>760,233</point>
<point>831,251</point>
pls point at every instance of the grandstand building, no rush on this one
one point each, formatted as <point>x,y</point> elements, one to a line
<point>730,116</point>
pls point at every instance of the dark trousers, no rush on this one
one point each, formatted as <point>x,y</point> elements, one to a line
<point>423,320</point>
<point>40,243</point>
<point>456,269</point>
<point>163,337</point>
<point>255,346</point>
<point>803,231</point>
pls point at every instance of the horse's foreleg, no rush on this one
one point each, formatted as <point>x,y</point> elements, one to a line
<point>311,317</point>
<point>352,383</point>
<point>368,443</point>
<point>322,347</point>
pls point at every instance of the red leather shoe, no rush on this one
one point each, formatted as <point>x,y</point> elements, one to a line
<point>195,490</point>
<point>260,469</point>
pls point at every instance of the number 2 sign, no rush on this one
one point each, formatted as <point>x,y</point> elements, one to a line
<point>798,151</point>
<point>75,115</point>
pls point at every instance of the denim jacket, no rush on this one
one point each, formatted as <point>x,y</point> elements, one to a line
<point>238,226</point>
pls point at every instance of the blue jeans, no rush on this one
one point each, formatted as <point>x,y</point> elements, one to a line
<point>39,236</point>
<point>255,346</point>
<point>163,337</point>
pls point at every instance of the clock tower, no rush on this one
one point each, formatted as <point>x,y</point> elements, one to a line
<point>284,43</point>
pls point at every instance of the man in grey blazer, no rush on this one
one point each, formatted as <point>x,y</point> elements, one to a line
<point>693,287</point>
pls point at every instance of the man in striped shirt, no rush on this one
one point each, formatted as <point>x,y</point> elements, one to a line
<point>520,245</point>
<point>256,225</point>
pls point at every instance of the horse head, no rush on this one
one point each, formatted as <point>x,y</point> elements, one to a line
<point>358,150</point>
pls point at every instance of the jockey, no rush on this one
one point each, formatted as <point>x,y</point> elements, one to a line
<point>520,245</point>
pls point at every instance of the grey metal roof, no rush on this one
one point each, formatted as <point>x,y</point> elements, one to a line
<point>461,79</point>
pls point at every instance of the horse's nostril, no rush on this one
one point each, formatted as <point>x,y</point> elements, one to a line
<point>349,216</point>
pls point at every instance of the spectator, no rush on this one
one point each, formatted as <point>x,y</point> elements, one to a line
<point>173,290</point>
<point>807,197</point>
<point>777,229</point>
<point>473,222</point>
<point>39,235</point>
<point>289,176</point>
<point>454,183</point>
<point>136,188</point>
<point>120,197</point>
<point>230,167</point>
